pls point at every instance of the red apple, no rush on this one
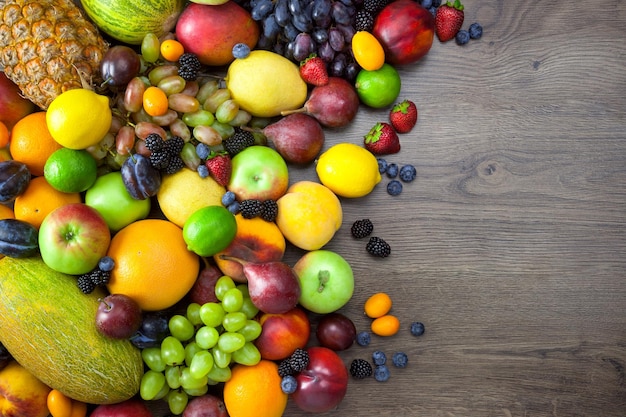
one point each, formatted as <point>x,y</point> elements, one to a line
<point>324,382</point>
<point>73,238</point>
<point>259,172</point>
<point>13,106</point>
<point>129,408</point>
<point>282,333</point>
<point>211,31</point>
<point>205,406</point>
<point>405,29</point>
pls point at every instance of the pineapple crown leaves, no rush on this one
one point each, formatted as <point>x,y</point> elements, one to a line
<point>456,5</point>
<point>374,134</point>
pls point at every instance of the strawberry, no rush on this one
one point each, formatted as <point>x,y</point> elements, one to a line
<point>382,139</point>
<point>220,167</point>
<point>403,116</point>
<point>448,20</point>
<point>313,71</point>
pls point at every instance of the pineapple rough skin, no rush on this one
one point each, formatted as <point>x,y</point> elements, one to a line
<point>48,47</point>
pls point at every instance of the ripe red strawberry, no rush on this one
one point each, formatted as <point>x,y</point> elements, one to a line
<point>220,167</point>
<point>382,139</point>
<point>313,71</point>
<point>448,20</point>
<point>403,116</point>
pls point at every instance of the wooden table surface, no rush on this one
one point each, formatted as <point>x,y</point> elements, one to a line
<point>511,244</point>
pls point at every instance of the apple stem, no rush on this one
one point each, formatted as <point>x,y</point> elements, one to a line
<point>288,112</point>
<point>103,301</point>
<point>323,277</point>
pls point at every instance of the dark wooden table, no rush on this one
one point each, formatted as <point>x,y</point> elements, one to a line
<point>511,244</point>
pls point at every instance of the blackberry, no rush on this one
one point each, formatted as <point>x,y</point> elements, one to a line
<point>364,21</point>
<point>250,208</point>
<point>159,159</point>
<point>363,338</point>
<point>239,141</point>
<point>288,384</point>
<point>360,369</point>
<point>86,284</point>
<point>269,210</point>
<point>154,142</point>
<point>362,228</point>
<point>417,328</point>
<point>174,164</point>
<point>189,66</point>
<point>299,360</point>
<point>400,359</point>
<point>284,368</point>
<point>394,187</point>
<point>374,6</point>
<point>378,247</point>
<point>381,373</point>
<point>379,357</point>
<point>100,277</point>
<point>174,146</point>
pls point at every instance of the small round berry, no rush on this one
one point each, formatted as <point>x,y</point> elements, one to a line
<point>363,338</point>
<point>400,359</point>
<point>106,263</point>
<point>382,165</point>
<point>462,37</point>
<point>289,384</point>
<point>360,369</point>
<point>379,357</point>
<point>392,170</point>
<point>381,373</point>
<point>475,31</point>
<point>427,4</point>
<point>394,187</point>
<point>417,328</point>
<point>228,198</point>
<point>433,11</point>
<point>202,150</point>
<point>284,368</point>
<point>299,360</point>
<point>203,171</point>
<point>234,207</point>
<point>408,173</point>
<point>241,50</point>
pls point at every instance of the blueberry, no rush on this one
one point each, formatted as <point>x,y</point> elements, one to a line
<point>379,357</point>
<point>408,173</point>
<point>433,11</point>
<point>382,165</point>
<point>106,263</point>
<point>202,151</point>
<point>475,31</point>
<point>417,328</point>
<point>241,50</point>
<point>462,37</point>
<point>289,384</point>
<point>234,207</point>
<point>381,373</point>
<point>228,198</point>
<point>363,338</point>
<point>392,170</point>
<point>203,171</point>
<point>427,4</point>
<point>400,359</point>
<point>436,3</point>
<point>394,187</point>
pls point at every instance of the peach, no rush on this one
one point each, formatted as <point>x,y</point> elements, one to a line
<point>282,333</point>
<point>255,241</point>
<point>309,214</point>
<point>21,393</point>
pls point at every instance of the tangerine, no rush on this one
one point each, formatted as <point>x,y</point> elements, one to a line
<point>32,143</point>
<point>39,199</point>
<point>152,264</point>
<point>255,391</point>
<point>378,305</point>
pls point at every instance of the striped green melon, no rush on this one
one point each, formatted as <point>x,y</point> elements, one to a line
<point>48,326</point>
<point>130,20</point>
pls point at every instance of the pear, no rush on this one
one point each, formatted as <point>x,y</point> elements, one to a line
<point>334,104</point>
<point>298,137</point>
<point>274,286</point>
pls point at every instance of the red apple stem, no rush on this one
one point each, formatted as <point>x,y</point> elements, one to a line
<point>103,301</point>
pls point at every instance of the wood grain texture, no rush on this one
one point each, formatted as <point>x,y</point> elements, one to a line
<point>511,244</point>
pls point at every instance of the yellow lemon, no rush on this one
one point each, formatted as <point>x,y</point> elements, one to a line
<point>266,83</point>
<point>349,170</point>
<point>183,193</point>
<point>79,118</point>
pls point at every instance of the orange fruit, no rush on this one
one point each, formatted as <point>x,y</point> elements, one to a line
<point>5,213</point>
<point>39,199</point>
<point>155,101</point>
<point>152,264</point>
<point>171,49</point>
<point>255,391</point>
<point>32,143</point>
<point>4,135</point>
<point>367,51</point>
<point>387,325</point>
<point>378,305</point>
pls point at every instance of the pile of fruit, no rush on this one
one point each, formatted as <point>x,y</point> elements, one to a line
<point>146,201</point>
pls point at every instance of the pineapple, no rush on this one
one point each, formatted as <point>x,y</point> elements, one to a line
<point>48,47</point>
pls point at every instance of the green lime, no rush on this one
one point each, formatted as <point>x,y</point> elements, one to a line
<point>379,88</point>
<point>209,230</point>
<point>70,170</point>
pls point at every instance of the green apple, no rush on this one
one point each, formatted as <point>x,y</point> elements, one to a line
<point>326,281</point>
<point>109,196</point>
<point>73,238</point>
<point>258,172</point>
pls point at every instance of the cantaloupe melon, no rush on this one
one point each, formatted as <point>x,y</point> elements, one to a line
<point>48,325</point>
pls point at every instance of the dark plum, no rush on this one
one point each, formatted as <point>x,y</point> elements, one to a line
<point>336,331</point>
<point>118,316</point>
<point>140,178</point>
<point>119,65</point>
<point>14,179</point>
